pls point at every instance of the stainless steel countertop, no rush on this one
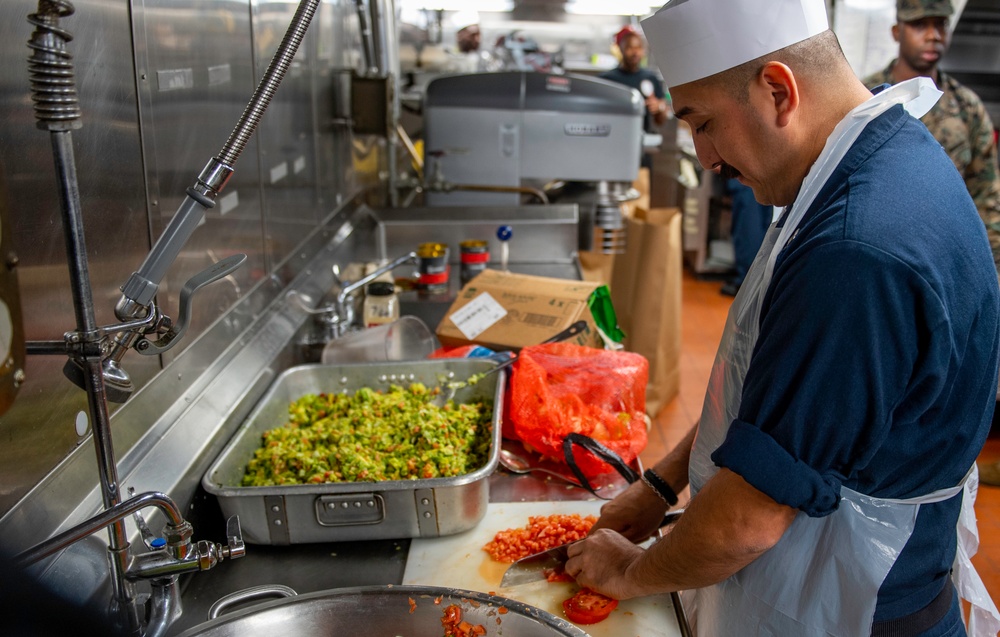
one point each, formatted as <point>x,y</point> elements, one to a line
<point>308,568</point>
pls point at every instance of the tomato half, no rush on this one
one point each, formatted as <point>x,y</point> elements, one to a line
<point>588,607</point>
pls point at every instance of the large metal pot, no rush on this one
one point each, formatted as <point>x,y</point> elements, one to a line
<point>384,611</point>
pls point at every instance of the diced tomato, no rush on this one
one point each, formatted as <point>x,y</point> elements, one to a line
<point>542,532</point>
<point>454,626</point>
<point>588,607</point>
<point>557,575</point>
<point>452,615</point>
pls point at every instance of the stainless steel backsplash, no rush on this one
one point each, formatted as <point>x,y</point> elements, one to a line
<point>162,84</point>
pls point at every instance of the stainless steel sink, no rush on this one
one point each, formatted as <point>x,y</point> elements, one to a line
<point>407,611</point>
<point>544,242</point>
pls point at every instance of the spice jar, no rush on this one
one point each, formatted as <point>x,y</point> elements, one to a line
<point>475,254</point>
<point>381,304</point>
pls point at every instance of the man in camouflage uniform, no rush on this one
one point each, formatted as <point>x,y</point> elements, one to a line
<point>959,120</point>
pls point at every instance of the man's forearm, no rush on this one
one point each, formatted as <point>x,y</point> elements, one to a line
<point>727,526</point>
<point>673,467</point>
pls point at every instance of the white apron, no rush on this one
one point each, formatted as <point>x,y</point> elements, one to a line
<point>822,578</point>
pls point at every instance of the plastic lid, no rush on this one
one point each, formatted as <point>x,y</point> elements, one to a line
<point>381,288</point>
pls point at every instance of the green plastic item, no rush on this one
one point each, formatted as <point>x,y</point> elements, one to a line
<point>604,315</point>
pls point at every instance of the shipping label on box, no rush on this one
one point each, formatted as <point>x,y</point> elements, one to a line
<point>501,310</point>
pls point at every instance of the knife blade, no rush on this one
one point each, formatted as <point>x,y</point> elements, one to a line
<point>536,567</point>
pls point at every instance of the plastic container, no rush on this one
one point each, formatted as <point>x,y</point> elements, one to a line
<point>381,304</point>
<point>405,339</point>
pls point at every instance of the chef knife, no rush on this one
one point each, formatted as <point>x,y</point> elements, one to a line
<point>536,568</point>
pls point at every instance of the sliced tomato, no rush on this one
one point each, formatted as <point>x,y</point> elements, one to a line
<point>588,607</point>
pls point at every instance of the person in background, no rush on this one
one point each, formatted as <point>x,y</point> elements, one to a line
<point>631,73</point>
<point>959,120</point>
<point>467,56</point>
<point>750,223</point>
<point>468,39</point>
<point>832,468</point>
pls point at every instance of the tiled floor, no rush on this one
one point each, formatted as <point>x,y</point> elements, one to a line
<point>702,319</point>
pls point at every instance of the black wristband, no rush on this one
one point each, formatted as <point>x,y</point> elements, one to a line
<point>659,485</point>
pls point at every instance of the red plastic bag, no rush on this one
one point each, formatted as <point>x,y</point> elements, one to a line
<point>558,388</point>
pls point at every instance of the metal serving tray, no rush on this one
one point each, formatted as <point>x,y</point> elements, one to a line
<point>391,509</point>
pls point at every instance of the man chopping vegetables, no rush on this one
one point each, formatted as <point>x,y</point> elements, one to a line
<point>832,471</point>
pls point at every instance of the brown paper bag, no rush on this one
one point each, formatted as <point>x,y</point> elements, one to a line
<point>646,292</point>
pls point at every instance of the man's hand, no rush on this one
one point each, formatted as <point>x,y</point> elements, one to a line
<point>635,513</point>
<point>725,527</point>
<point>602,563</point>
<point>657,108</point>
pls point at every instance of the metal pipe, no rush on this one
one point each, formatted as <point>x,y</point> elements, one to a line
<point>385,41</point>
<point>54,93</point>
<point>164,600</point>
<point>276,70</point>
<point>367,43</point>
<point>83,304</point>
<point>109,516</point>
<point>528,190</point>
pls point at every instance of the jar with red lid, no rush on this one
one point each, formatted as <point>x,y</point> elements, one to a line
<point>433,267</point>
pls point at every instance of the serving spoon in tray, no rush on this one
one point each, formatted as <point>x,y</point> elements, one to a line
<point>447,392</point>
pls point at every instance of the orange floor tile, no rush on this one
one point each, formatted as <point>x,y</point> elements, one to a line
<point>702,318</point>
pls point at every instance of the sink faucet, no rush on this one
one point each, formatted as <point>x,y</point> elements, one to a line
<point>344,311</point>
<point>168,557</point>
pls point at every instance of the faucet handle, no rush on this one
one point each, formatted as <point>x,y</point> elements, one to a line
<point>175,331</point>
<point>234,536</point>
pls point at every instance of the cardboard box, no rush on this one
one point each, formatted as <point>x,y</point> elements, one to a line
<point>504,311</point>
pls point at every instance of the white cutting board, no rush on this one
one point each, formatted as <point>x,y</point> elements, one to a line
<point>459,561</point>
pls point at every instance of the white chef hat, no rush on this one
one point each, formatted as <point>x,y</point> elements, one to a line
<point>693,39</point>
<point>464,18</point>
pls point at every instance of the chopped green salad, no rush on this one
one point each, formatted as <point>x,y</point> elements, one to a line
<point>372,436</point>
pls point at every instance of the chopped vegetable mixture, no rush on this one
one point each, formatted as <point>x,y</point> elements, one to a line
<point>542,533</point>
<point>372,436</point>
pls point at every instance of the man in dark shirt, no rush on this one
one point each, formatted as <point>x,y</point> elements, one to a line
<point>855,379</point>
<point>631,73</point>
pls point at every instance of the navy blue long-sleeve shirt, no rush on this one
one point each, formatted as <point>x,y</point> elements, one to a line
<point>876,364</point>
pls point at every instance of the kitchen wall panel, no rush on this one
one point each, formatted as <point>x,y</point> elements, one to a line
<point>39,429</point>
<point>195,66</point>
<point>162,85</point>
